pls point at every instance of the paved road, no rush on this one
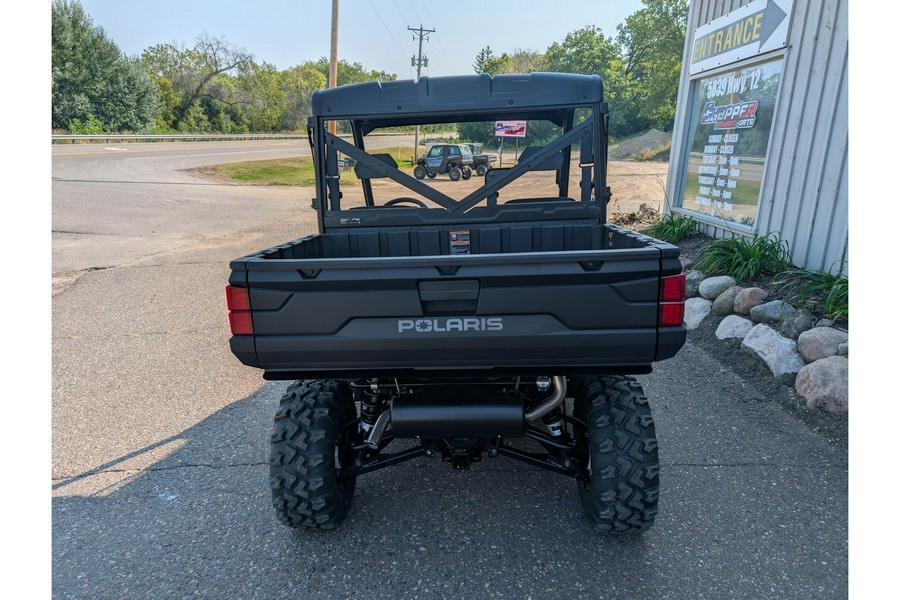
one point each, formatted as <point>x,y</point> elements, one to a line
<point>159,439</point>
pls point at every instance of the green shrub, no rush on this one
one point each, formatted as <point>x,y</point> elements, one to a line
<point>93,126</point>
<point>820,291</point>
<point>743,258</point>
<point>673,228</point>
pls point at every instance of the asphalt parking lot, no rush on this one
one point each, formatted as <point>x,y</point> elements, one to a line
<point>160,476</point>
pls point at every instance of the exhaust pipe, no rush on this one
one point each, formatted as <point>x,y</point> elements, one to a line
<point>462,411</point>
<point>555,399</point>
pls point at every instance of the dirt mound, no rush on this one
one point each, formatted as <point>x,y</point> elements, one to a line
<point>651,142</point>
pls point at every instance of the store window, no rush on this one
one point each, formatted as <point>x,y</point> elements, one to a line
<point>728,139</point>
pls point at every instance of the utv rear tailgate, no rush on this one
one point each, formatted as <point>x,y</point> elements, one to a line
<point>559,312</point>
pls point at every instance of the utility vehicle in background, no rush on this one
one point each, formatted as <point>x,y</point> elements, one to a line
<point>453,159</point>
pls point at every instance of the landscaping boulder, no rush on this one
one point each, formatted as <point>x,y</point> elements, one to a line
<point>771,312</point>
<point>778,353</point>
<point>695,310</point>
<point>796,323</point>
<point>747,298</point>
<point>824,323</point>
<point>724,302</point>
<point>824,383</point>
<point>711,287</point>
<point>733,326</point>
<point>820,342</point>
<point>843,349</point>
<point>692,281</point>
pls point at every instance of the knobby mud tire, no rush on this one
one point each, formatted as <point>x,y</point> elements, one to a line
<point>310,425</point>
<point>622,491</point>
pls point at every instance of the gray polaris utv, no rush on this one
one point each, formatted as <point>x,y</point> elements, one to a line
<point>507,321</point>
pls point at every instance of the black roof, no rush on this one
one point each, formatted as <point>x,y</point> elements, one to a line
<point>458,98</point>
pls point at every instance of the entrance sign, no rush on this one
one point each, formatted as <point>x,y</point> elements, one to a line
<point>757,28</point>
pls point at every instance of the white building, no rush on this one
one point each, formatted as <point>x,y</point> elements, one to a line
<point>761,129</point>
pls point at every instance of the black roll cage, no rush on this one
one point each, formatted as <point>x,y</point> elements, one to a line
<point>592,133</point>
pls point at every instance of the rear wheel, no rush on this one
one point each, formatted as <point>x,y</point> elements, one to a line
<point>310,446</point>
<point>621,491</point>
<point>419,172</point>
<point>466,173</point>
<point>480,170</point>
<point>454,173</point>
<point>431,175</point>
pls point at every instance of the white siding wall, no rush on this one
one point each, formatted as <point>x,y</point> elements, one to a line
<point>804,193</point>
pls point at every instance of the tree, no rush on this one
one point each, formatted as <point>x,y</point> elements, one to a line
<point>92,81</point>
<point>298,84</point>
<point>520,61</point>
<point>483,55</point>
<point>162,63</point>
<point>348,73</point>
<point>211,56</point>
<point>260,85</point>
<point>589,51</point>
<point>188,75</point>
<point>652,43</point>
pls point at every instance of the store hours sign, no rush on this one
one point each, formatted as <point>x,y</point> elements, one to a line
<point>729,136</point>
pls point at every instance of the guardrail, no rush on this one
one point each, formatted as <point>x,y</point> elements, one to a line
<point>188,137</point>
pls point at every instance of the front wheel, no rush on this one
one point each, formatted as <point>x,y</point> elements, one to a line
<point>454,173</point>
<point>310,447</point>
<point>419,172</point>
<point>621,490</point>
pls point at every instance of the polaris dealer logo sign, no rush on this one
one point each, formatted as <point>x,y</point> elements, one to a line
<point>757,28</point>
<point>730,116</point>
<point>514,129</point>
<point>451,325</point>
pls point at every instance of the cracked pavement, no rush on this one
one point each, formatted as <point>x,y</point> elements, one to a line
<point>160,478</point>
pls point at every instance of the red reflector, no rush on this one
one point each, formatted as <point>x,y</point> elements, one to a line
<point>238,298</point>
<point>241,322</point>
<point>672,288</point>
<point>671,314</point>
<point>239,315</point>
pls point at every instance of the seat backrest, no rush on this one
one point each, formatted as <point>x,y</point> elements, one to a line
<point>364,172</point>
<point>554,163</point>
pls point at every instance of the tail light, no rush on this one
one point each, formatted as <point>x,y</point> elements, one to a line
<point>239,315</point>
<point>671,301</point>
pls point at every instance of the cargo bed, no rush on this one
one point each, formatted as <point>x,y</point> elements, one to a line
<point>555,297</point>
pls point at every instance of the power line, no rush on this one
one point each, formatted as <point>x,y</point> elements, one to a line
<point>387,28</point>
<point>413,6</point>
<point>402,16</point>
<point>440,45</point>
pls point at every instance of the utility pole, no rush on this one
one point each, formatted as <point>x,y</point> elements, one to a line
<point>417,63</point>
<point>332,75</point>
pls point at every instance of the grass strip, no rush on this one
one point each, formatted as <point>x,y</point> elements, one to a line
<point>292,171</point>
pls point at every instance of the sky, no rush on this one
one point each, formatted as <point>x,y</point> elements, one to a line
<point>371,32</point>
<point>286,33</point>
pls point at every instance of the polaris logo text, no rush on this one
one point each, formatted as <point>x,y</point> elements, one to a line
<point>448,325</point>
